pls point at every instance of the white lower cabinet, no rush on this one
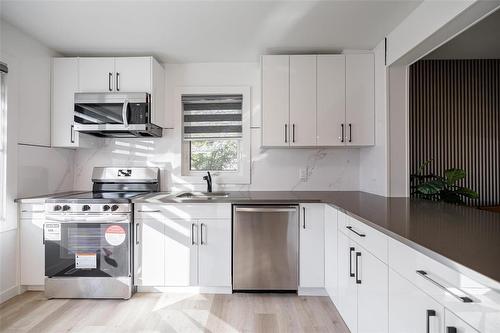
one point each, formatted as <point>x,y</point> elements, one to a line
<point>214,269</point>
<point>31,247</point>
<point>182,252</point>
<point>411,310</point>
<point>453,324</point>
<point>312,250</point>
<point>362,296</point>
<point>149,253</point>
<point>331,255</point>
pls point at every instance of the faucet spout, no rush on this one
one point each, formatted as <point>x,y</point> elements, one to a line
<point>208,179</point>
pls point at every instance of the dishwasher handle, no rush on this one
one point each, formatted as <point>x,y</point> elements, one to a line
<point>266,209</point>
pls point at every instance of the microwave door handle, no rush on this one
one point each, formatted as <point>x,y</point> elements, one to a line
<point>124,112</point>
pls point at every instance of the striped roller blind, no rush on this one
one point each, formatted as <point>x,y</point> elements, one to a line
<point>212,116</point>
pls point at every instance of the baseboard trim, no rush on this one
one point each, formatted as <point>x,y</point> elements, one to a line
<point>9,293</point>
<point>34,287</point>
<point>185,290</point>
<point>305,291</point>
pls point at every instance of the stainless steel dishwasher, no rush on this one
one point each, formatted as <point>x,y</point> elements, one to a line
<point>265,247</point>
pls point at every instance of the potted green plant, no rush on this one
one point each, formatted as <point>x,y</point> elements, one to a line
<point>440,188</point>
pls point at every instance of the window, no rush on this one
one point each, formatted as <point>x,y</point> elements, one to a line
<point>216,134</point>
<point>3,137</point>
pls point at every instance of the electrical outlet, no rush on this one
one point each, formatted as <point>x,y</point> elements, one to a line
<point>303,174</point>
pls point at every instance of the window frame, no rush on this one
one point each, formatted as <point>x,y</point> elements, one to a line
<point>242,176</point>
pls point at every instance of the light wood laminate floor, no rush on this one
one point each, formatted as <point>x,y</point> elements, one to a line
<point>167,312</point>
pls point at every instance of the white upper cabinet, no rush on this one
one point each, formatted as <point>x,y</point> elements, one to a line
<point>360,100</point>
<point>133,74</point>
<point>303,100</point>
<point>275,100</point>
<point>96,74</point>
<point>312,251</point>
<point>318,100</point>
<point>331,100</point>
<point>64,86</point>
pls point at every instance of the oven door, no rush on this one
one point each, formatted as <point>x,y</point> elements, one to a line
<point>88,246</point>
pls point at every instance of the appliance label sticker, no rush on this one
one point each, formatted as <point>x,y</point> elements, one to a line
<point>85,260</point>
<point>52,231</point>
<point>115,235</point>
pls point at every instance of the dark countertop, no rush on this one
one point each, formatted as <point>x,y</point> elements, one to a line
<point>463,238</point>
<point>42,197</point>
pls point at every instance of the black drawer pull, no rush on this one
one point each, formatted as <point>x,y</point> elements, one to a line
<point>357,233</point>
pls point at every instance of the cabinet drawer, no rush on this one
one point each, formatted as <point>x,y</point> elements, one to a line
<point>184,211</point>
<point>471,301</point>
<point>369,238</point>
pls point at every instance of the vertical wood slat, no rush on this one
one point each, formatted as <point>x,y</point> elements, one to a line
<point>455,121</point>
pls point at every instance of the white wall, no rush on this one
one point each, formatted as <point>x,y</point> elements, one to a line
<point>31,170</point>
<point>272,169</point>
<point>373,173</point>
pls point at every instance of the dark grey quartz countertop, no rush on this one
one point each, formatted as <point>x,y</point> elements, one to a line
<point>41,197</point>
<point>463,238</point>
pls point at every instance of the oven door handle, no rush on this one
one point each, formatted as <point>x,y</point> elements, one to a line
<point>93,219</point>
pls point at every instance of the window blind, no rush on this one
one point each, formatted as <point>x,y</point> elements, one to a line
<point>212,116</point>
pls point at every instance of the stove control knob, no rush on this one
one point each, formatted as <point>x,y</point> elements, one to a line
<point>57,207</point>
<point>85,208</point>
<point>105,208</point>
<point>114,208</point>
<point>66,207</point>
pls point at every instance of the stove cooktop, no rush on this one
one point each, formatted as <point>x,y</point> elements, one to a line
<point>97,197</point>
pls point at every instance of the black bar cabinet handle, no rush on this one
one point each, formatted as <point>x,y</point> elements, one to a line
<point>110,75</point>
<point>137,234</point>
<point>357,233</point>
<point>351,250</point>
<point>342,128</point>
<point>451,329</point>
<point>304,217</point>
<point>117,81</point>
<point>43,235</point>
<point>350,133</point>
<point>71,135</point>
<point>286,133</point>
<point>358,280</point>
<point>293,133</point>
<point>430,313</point>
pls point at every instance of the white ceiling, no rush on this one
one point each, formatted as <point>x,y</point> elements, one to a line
<point>481,41</point>
<point>206,31</point>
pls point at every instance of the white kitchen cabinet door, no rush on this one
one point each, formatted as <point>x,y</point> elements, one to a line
<point>330,120</point>
<point>331,253</point>
<point>453,324</point>
<point>149,253</point>
<point>312,250</point>
<point>214,261</point>
<point>347,303</point>
<point>133,74</point>
<point>303,100</point>
<point>64,86</point>
<point>181,252</point>
<point>96,74</point>
<point>372,278</point>
<point>32,252</point>
<point>275,100</point>
<point>410,309</point>
<point>360,100</point>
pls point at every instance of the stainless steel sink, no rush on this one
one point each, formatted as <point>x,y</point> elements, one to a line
<point>202,195</point>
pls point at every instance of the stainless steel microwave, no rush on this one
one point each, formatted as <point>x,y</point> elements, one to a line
<point>115,114</point>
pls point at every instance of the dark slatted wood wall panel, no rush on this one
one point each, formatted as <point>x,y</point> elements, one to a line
<point>455,120</point>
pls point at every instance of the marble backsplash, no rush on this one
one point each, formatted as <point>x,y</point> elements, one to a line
<point>271,169</point>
